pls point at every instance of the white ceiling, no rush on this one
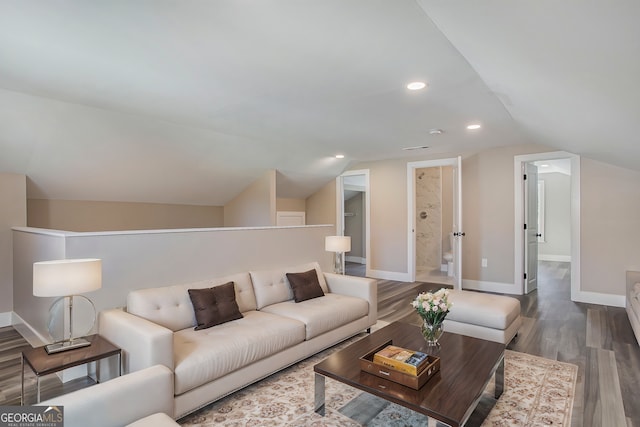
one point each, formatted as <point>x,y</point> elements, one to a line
<point>189,102</point>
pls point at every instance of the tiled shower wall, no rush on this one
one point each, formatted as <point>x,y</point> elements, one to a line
<point>428,218</point>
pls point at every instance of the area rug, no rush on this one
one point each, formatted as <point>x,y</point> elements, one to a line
<point>538,392</point>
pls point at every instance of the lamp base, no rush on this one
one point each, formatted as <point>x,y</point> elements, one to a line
<point>57,347</point>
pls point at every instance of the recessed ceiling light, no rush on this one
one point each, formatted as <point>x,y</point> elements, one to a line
<point>474,126</point>
<point>339,156</point>
<point>435,131</point>
<point>544,166</point>
<point>418,147</point>
<point>416,85</point>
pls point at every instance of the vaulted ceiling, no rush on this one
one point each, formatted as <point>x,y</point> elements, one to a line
<point>189,102</point>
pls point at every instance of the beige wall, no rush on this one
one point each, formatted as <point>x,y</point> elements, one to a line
<point>290,205</point>
<point>255,206</point>
<point>80,215</point>
<point>321,206</point>
<point>610,226</point>
<point>488,213</point>
<point>388,214</point>
<point>488,210</point>
<point>13,213</point>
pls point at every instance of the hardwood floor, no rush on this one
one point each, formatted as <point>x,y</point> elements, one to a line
<point>598,339</point>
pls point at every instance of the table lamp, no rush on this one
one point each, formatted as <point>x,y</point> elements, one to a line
<point>339,245</point>
<point>67,278</point>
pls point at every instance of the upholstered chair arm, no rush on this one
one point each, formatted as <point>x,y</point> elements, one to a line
<point>119,401</point>
<point>143,343</point>
<point>353,286</point>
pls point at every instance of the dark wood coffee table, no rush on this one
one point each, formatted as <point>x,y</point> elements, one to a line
<point>466,367</point>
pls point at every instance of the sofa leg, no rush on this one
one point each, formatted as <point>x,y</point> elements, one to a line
<point>368,330</point>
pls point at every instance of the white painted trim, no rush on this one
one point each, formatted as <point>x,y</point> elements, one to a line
<point>58,233</point>
<point>481,285</point>
<point>5,319</point>
<point>389,275</point>
<point>32,336</point>
<point>356,259</point>
<point>456,162</point>
<point>599,299</point>
<point>519,216</point>
<point>557,258</point>
<point>367,213</point>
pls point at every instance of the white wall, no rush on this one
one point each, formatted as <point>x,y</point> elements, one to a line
<point>133,260</point>
<point>13,212</point>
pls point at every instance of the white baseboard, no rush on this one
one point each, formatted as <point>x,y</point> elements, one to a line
<point>356,259</point>
<point>5,319</point>
<point>388,275</point>
<point>599,299</point>
<point>557,258</point>
<point>32,336</point>
<point>481,285</point>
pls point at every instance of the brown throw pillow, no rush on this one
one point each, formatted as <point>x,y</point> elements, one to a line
<point>214,306</point>
<point>305,285</point>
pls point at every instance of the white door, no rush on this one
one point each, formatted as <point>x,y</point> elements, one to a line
<point>457,223</point>
<point>531,227</point>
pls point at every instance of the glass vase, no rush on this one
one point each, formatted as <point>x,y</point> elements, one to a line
<point>432,332</point>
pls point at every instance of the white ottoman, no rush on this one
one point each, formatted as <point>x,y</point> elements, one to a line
<point>486,316</point>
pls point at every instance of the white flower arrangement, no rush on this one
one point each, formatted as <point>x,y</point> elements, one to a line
<point>433,306</point>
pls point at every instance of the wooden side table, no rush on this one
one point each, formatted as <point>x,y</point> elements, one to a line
<point>43,364</point>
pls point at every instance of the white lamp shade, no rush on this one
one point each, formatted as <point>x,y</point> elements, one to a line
<point>66,277</point>
<point>337,243</point>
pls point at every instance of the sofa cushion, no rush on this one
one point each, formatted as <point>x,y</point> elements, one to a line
<point>170,306</point>
<point>204,355</point>
<point>214,306</point>
<point>272,286</point>
<point>305,285</point>
<point>324,314</point>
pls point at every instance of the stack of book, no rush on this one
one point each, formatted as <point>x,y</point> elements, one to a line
<point>407,367</point>
<point>401,359</point>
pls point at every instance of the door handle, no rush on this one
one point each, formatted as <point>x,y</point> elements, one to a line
<point>539,235</point>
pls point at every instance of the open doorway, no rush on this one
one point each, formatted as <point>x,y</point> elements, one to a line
<point>435,215</point>
<point>353,219</point>
<point>547,217</point>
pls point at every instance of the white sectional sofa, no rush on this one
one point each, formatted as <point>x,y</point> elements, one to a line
<point>274,331</point>
<point>109,404</point>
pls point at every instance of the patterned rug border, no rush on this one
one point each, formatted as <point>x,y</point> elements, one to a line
<point>286,398</point>
<point>574,379</point>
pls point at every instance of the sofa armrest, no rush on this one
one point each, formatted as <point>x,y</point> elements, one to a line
<point>360,287</point>
<point>143,342</point>
<point>119,401</point>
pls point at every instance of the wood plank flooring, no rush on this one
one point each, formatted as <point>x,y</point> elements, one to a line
<point>598,339</point>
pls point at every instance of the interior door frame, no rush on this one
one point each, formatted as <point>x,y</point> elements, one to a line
<point>519,242</point>
<point>456,162</point>
<point>367,213</point>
